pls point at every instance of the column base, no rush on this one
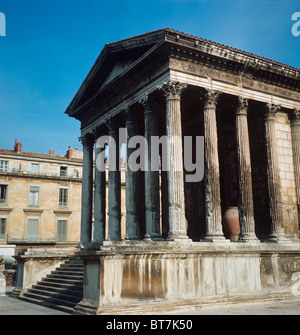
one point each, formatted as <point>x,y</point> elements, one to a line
<point>153,237</point>
<point>273,238</point>
<point>248,238</point>
<point>214,237</point>
<point>178,236</point>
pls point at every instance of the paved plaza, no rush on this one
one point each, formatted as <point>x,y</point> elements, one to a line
<point>11,306</point>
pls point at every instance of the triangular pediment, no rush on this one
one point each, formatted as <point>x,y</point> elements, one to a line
<point>114,59</point>
<point>118,68</point>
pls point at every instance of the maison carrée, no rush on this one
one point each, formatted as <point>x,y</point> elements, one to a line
<point>181,248</point>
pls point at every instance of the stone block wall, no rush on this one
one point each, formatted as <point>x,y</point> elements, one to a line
<point>286,167</point>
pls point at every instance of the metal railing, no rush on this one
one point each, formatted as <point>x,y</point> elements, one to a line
<point>37,238</point>
<point>22,171</point>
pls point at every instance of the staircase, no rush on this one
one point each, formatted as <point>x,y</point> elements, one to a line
<point>62,289</point>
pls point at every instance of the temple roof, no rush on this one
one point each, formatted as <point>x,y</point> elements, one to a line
<point>118,57</point>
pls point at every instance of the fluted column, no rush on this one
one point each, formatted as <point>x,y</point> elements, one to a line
<point>132,184</point>
<point>274,183</point>
<point>295,128</point>
<point>114,184</point>
<point>87,191</point>
<point>214,230</point>
<point>176,205</point>
<point>99,197</point>
<point>245,193</point>
<point>152,201</point>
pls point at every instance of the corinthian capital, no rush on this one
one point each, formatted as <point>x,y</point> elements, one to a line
<point>296,115</point>
<point>147,103</point>
<point>271,110</point>
<point>87,140</point>
<point>211,98</point>
<point>243,106</point>
<point>172,89</point>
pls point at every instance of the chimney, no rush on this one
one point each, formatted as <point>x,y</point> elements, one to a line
<point>51,152</point>
<point>69,153</point>
<point>18,146</point>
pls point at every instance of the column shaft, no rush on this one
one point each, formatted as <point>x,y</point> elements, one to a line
<point>177,221</point>
<point>274,184</point>
<point>132,185</point>
<point>211,173</point>
<point>87,191</point>
<point>114,185</point>
<point>152,201</point>
<point>99,201</point>
<point>245,198</point>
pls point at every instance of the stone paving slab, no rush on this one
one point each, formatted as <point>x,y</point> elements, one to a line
<point>276,307</point>
<point>12,306</point>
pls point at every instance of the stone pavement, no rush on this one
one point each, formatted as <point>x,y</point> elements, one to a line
<point>11,306</point>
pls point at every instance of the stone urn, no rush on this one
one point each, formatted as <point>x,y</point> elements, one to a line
<point>231,222</point>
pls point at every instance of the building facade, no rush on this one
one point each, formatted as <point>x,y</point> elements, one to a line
<point>245,106</point>
<point>40,197</point>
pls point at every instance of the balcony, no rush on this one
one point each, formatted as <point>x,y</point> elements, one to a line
<point>35,173</point>
<point>39,239</point>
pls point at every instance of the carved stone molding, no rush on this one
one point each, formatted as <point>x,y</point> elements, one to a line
<point>87,140</point>
<point>271,110</point>
<point>242,106</point>
<point>172,89</point>
<point>296,116</point>
<point>211,98</point>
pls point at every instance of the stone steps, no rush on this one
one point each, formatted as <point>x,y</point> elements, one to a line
<point>62,289</point>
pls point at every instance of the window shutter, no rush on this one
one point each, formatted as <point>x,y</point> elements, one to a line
<point>32,229</point>
<point>62,230</point>
<point>10,166</point>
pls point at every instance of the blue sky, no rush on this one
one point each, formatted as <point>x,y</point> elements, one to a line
<point>50,46</point>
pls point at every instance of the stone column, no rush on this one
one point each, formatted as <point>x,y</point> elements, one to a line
<point>132,184</point>
<point>214,232</point>
<point>152,201</point>
<point>177,221</point>
<point>295,128</point>
<point>87,191</point>
<point>114,184</point>
<point>99,198</point>
<point>274,184</point>
<point>245,193</point>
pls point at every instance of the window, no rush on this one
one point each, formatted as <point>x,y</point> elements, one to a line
<point>34,195</point>
<point>2,228</point>
<point>63,196</point>
<point>3,194</point>
<point>62,230</point>
<point>32,228</point>
<point>3,165</point>
<point>35,168</point>
<point>63,171</point>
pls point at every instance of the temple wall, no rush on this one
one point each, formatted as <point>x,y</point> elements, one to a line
<point>286,167</point>
<point>164,280</point>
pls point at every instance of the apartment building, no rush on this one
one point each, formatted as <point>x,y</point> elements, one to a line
<point>40,197</point>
